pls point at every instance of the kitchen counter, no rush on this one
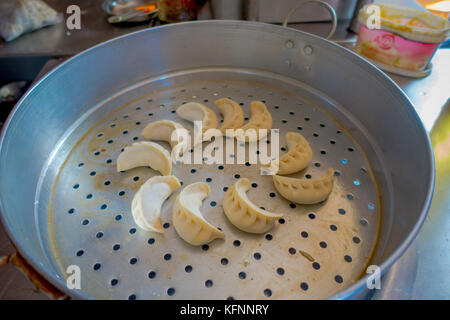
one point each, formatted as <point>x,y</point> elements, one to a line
<point>23,58</point>
<point>57,41</point>
<point>422,272</point>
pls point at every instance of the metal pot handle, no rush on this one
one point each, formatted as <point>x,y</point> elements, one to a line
<point>321,3</point>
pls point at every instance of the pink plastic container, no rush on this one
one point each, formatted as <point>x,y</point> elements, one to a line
<point>405,39</point>
<point>393,50</point>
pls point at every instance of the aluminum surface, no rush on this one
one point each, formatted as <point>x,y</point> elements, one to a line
<point>91,225</point>
<point>389,136</point>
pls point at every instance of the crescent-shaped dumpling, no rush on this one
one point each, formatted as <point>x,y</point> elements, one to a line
<point>298,156</point>
<point>162,131</point>
<point>305,191</point>
<point>145,154</point>
<point>188,220</point>
<point>193,111</point>
<point>147,202</point>
<point>242,213</point>
<point>233,116</point>
<point>260,118</point>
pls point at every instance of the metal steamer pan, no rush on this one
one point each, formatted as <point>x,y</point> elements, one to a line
<point>76,119</point>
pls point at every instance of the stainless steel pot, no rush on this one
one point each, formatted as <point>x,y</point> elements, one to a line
<point>59,146</point>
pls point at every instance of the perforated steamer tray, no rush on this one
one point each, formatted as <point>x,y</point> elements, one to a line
<point>315,251</point>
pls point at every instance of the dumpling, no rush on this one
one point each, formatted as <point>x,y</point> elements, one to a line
<point>233,116</point>
<point>163,130</point>
<point>187,218</point>
<point>145,154</point>
<point>193,111</point>
<point>260,118</point>
<point>305,191</point>
<point>242,213</point>
<point>298,156</point>
<point>147,202</point>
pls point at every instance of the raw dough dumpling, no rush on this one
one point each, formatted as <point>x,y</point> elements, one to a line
<point>233,116</point>
<point>305,191</point>
<point>193,111</point>
<point>147,202</point>
<point>188,220</point>
<point>162,131</point>
<point>242,213</point>
<point>145,154</point>
<point>298,156</point>
<point>260,118</point>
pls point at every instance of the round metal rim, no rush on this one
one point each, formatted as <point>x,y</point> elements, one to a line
<point>344,294</point>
